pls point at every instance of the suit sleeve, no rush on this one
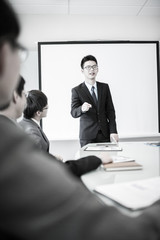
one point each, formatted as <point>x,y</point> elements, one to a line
<point>76,104</point>
<point>111,116</point>
<point>37,139</point>
<point>83,165</point>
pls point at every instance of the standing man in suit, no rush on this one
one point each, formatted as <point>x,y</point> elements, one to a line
<point>92,102</point>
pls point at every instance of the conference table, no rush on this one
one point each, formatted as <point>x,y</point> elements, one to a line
<point>144,153</point>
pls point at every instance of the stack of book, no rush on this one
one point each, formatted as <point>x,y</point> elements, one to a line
<point>121,163</point>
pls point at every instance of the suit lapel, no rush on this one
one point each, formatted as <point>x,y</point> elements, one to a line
<point>99,90</point>
<point>43,134</point>
<point>40,129</point>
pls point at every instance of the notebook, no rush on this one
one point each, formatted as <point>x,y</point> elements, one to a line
<point>122,166</point>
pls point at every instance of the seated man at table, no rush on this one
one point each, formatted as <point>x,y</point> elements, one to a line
<point>36,109</point>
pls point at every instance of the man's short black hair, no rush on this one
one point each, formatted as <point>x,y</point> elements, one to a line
<point>36,101</point>
<point>88,58</point>
<point>9,24</point>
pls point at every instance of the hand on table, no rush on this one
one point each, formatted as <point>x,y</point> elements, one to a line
<point>114,137</point>
<point>59,157</point>
<point>105,157</point>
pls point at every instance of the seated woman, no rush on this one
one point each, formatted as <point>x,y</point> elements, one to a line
<point>36,109</point>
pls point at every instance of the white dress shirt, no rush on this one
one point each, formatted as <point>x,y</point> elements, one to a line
<point>89,86</point>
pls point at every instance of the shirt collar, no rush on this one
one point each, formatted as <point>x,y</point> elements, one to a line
<point>89,86</point>
<point>34,120</point>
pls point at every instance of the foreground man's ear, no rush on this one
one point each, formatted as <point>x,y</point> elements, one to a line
<point>7,75</point>
<point>2,58</point>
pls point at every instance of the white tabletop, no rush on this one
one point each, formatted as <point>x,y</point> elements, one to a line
<point>148,156</point>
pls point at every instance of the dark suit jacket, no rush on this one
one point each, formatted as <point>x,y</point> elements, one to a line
<point>41,200</point>
<point>97,118</point>
<point>36,133</point>
<point>77,167</point>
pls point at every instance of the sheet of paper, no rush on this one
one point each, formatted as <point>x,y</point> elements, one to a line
<point>117,159</point>
<point>134,195</point>
<point>103,148</point>
<point>107,144</point>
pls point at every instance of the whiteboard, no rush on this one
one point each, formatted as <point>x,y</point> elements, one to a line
<point>130,69</point>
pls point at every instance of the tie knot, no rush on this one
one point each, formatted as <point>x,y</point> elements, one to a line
<point>92,88</point>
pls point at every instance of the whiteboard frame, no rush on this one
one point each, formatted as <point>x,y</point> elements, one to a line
<point>103,42</point>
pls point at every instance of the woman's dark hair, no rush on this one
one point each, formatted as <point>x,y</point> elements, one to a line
<point>88,58</point>
<point>36,101</point>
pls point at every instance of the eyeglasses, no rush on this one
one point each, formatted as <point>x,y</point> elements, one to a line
<point>45,108</point>
<point>94,67</point>
<point>23,54</point>
<point>22,51</point>
<point>25,94</point>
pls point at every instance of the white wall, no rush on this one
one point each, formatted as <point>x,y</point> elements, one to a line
<point>38,28</point>
<point>29,70</point>
<point>49,28</point>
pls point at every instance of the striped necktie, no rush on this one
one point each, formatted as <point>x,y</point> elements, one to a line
<point>94,95</point>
